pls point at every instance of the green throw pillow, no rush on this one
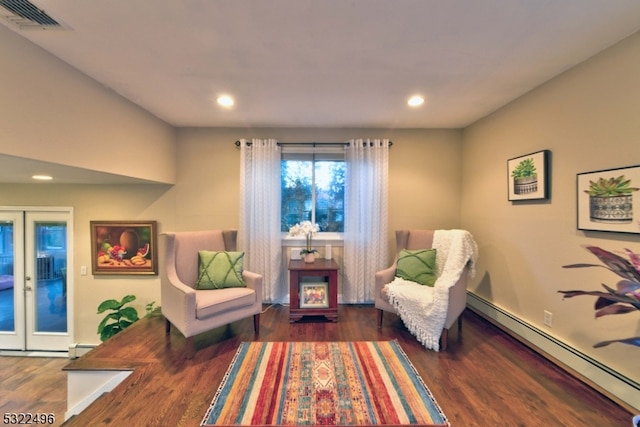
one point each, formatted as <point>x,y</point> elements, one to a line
<point>217,270</point>
<point>417,266</point>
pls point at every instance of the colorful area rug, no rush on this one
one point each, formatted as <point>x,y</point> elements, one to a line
<point>323,383</point>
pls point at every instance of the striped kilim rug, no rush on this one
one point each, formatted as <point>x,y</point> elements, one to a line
<point>323,383</point>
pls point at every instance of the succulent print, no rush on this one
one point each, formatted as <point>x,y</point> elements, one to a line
<point>525,169</point>
<point>610,187</point>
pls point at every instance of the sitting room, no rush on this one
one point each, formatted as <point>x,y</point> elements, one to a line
<point>322,210</point>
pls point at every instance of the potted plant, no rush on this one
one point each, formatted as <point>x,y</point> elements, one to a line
<point>525,177</point>
<point>119,317</point>
<point>307,229</point>
<point>624,298</point>
<point>611,200</point>
<point>152,310</point>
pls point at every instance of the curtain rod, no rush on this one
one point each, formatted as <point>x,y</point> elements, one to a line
<point>313,144</point>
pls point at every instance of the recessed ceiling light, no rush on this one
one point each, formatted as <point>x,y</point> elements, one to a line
<point>42,177</point>
<point>225,101</point>
<point>415,101</point>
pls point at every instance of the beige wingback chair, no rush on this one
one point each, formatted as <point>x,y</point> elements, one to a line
<point>194,311</point>
<point>421,239</point>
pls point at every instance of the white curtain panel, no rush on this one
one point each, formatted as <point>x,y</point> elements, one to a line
<point>260,213</point>
<point>366,217</point>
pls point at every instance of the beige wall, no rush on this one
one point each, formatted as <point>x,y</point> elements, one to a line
<point>206,196</point>
<point>587,118</point>
<point>52,112</point>
<point>424,176</point>
<point>97,202</point>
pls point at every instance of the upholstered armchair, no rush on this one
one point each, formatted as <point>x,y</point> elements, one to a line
<point>194,311</point>
<point>457,295</point>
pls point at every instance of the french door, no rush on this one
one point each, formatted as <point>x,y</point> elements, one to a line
<point>35,281</point>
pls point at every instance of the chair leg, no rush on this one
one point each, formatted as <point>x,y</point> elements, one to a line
<point>256,323</point>
<point>380,312</point>
<point>444,338</point>
<point>190,348</point>
<point>167,327</point>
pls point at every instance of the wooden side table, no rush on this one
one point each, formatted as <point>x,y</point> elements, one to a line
<point>327,305</point>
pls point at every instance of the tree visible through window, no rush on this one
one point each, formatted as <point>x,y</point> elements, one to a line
<point>313,190</point>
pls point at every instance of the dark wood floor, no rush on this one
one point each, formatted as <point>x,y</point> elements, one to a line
<point>33,385</point>
<point>485,378</point>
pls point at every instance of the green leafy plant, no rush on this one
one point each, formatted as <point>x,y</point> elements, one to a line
<point>610,187</point>
<point>525,169</point>
<point>624,298</point>
<point>119,318</point>
<point>151,310</point>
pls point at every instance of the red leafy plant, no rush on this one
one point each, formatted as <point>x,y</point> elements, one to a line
<point>625,298</point>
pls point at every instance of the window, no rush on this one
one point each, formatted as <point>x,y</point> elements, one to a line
<point>51,236</point>
<point>312,189</point>
<point>6,238</point>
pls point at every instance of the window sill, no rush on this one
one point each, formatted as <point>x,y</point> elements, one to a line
<point>335,239</point>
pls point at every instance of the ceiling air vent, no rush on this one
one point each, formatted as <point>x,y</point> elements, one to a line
<point>27,15</point>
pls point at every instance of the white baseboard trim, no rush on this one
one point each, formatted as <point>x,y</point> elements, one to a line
<point>27,353</point>
<point>613,384</point>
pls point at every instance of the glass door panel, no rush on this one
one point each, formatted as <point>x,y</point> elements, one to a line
<point>35,248</point>
<point>12,328</point>
<point>47,261</point>
<point>7,288</point>
<point>50,282</point>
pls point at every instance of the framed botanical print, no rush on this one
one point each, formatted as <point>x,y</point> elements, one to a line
<point>528,176</point>
<point>608,200</point>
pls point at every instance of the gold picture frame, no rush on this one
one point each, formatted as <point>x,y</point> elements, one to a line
<point>124,247</point>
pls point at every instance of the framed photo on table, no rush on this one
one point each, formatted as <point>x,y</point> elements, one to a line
<point>314,295</point>
<point>124,247</point>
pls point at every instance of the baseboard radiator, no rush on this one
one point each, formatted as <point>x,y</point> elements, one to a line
<point>612,384</point>
<point>78,350</point>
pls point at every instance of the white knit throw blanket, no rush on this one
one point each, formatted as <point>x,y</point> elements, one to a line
<point>423,309</point>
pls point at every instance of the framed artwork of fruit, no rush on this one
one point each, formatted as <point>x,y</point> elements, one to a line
<point>124,247</point>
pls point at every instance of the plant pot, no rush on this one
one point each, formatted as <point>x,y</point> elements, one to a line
<point>310,258</point>
<point>611,209</point>
<point>525,185</point>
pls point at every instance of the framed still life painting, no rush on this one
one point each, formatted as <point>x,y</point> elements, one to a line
<point>124,247</point>
<point>609,200</point>
<point>528,176</point>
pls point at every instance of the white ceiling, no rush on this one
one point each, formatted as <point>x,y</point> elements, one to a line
<point>329,63</point>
